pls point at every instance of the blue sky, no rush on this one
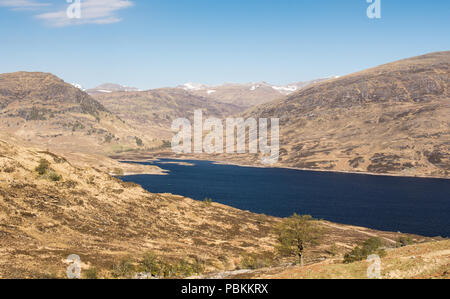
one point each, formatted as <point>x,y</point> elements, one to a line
<point>157,43</point>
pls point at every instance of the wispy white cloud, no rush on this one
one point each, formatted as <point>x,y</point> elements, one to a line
<point>92,12</point>
<point>23,4</point>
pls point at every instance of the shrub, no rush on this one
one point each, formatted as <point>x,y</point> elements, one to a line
<point>109,137</point>
<point>139,141</point>
<point>253,262</point>
<point>53,176</point>
<point>70,184</point>
<point>124,268</point>
<point>77,126</point>
<point>9,169</point>
<point>404,241</point>
<point>150,264</point>
<point>183,269</point>
<point>91,273</point>
<point>91,180</point>
<point>369,247</point>
<point>157,267</point>
<point>208,201</point>
<point>166,144</point>
<point>43,167</point>
<point>333,250</point>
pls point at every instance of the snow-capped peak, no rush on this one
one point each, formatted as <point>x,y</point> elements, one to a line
<point>285,89</point>
<point>193,86</point>
<point>78,86</point>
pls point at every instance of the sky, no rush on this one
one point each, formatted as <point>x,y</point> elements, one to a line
<point>161,43</point>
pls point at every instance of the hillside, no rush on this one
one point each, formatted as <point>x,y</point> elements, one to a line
<point>51,210</point>
<point>421,261</point>
<point>392,119</point>
<point>72,209</point>
<point>153,111</point>
<point>44,110</point>
<point>246,95</point>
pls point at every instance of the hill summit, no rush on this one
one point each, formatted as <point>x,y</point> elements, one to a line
<point>43,109</point>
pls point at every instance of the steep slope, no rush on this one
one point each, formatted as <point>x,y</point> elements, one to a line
<point>429,260</point>
<point>45,110</point>
<point>54,209</point>
<point>392,119</point>
<point>245,95</point>
<point>153,111</point>
<point>69,209</point>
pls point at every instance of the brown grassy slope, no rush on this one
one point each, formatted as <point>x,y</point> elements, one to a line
<point>45,110</point>
<point>89,213</point>
<point>153,111</point>
<point>428,260</point>
<point>392,119</point>
<point>102,219</point>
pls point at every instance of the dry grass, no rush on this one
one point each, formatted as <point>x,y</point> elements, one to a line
<point>426,260</point>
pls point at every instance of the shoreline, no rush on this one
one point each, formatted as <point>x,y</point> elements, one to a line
<point>218,162</point>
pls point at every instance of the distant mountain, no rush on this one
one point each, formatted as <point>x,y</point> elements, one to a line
<point>245,95</point>
<point>392,119</point>
<point>79,86</point>
<point>153,111</point>
<point>110,87</point>
<point>43,109</point>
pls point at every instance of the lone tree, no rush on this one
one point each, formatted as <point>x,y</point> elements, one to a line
<point>295,234</point>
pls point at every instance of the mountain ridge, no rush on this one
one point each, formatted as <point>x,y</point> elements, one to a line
<point>246,95</point>
<point>388,119</point>
<point>154,110</point>
<point>42,108</point>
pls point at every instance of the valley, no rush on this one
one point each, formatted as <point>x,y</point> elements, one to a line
<point>389,120</point>
<point>74,209</point>
<point>61,147</point>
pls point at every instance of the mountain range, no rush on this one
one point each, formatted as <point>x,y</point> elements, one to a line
<point>391,119</point>
<point>58,197</point>
<point>394,119</point>
<point>153,111</point>
<point>245,95</point>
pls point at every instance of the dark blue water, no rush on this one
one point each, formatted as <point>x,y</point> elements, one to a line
<point>409,205</point>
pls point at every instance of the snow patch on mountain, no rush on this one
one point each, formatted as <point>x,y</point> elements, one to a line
<point>285,89</point>
<point>193,86</point>
<point>78,86</point>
